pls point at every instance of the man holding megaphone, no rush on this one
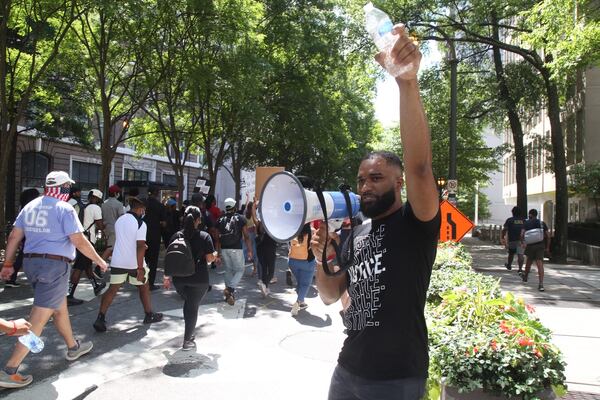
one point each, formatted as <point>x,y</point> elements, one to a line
<point>385,355</point>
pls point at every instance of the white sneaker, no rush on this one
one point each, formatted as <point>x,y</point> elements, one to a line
<point>263,288</point>
<point>295,309</point>
<point>274,280</point>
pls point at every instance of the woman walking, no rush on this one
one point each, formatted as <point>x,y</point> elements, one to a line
<point>266,248</point>
<point>193,288</point>
<point>302,263</point>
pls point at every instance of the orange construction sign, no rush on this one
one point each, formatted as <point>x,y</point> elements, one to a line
<point>455,224</point>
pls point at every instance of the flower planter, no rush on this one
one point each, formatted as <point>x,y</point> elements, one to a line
<point>451,393</point>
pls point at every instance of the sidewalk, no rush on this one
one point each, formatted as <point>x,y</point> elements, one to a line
<point>252,350</point>
<point>570,307</point>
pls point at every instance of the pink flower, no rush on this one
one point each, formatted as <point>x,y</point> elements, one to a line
<point>530,308</point>
<point>494,345</point>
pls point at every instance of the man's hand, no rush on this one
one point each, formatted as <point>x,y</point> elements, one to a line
<point>141,275</point>
<point>317,242</point>
<point>22,326</point>
<point>250,254</point>
<point>167,282</point>
<point>405,53</point>
<point>103,265</point>
<point>7,271</point>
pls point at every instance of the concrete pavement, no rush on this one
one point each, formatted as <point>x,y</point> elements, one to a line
<point>570,307</point>
<point>256,350</point>
<point>252,350</point>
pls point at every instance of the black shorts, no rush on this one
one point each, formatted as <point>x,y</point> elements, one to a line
<point>81,262</point>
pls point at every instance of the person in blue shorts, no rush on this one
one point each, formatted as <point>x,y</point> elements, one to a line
<point>52,231</point>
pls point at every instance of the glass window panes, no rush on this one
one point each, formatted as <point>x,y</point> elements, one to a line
<point>136,175</point>
<point>34,168</point>
<point>86,175</point>
<point>169,179</point>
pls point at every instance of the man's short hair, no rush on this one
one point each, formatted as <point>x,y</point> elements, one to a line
<point>197,199</point>
<point>134,202</point>
<point>388,156</point>
<point>533,212</point>
<point>516,212</point>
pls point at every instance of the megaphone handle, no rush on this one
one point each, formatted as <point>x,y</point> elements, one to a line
<point>343,265</point>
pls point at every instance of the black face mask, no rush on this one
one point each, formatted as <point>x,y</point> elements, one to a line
<point>379,206</point>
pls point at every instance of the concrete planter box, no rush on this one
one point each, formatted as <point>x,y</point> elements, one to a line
<point>451,393</point>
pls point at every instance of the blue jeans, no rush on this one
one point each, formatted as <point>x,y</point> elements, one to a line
<point>304,271</point>
<point>233,262</point>
<point>347,386</point>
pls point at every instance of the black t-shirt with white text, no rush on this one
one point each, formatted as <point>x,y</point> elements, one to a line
<point>514,226</point>
<point>387,284</point>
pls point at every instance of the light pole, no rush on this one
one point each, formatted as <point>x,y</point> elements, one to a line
<point>441,182</point>
<point>453,62</point>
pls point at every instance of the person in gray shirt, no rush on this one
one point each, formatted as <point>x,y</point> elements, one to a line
<point>112,209</point>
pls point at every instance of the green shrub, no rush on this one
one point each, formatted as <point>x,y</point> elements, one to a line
<point>446,279</point>
<point>452,255</point>
<point>481,341</point>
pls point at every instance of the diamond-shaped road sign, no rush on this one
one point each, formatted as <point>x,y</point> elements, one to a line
<point>455,224</point>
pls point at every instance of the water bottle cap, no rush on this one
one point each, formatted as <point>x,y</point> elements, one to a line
<point>368,7</point>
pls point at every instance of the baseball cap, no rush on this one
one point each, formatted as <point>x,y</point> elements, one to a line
<point>229,203</point>
<point>57,178</point>
<point>97,193</point>
<point>171,202</point>
<point>114,189</point>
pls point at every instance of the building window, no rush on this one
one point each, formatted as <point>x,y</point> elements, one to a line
<point>169,179</point>
<point>34,168</point>
<point>136,175</point>
<point>86,175</point>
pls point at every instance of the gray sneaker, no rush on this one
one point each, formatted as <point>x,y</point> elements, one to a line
<point>82,348</point>
<point>14,381</point>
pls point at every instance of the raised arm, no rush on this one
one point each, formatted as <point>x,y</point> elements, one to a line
<point>414,132</point>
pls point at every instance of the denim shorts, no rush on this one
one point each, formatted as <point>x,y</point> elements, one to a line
<point>347,386</point>
<point>49,280</point>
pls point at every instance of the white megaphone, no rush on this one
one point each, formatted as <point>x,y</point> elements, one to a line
<point>285,206</point>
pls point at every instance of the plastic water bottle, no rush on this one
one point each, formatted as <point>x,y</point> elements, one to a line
<point>379,25</point>
<point>32,342</point>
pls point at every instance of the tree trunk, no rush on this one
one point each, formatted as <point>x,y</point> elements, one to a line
<point>180,185</point>
<point>561,218</point>
<point>514,121</point>
<point>107,157</point>
<point>9,133</point>
<point>11,207</point>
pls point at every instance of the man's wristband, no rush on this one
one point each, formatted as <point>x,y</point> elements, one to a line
<point>7,264</point>
<point>14,329</point>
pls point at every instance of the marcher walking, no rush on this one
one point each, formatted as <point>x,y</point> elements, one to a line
<point>302,263</point>
<point>511,238</point>
<point>534,250</point>
<point>127,264</point>
<point>193,288</point>
<point>53,231</point>
<point>26,196</point>
<point>232,228</point>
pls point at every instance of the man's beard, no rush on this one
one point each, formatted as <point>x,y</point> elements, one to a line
<point>382,204</point>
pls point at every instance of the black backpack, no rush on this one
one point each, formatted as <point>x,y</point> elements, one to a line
<point>179,260</point>
<point>230,230</point>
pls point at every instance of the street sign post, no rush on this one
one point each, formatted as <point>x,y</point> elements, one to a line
<point>452,185</point>
<point>454,225</point>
